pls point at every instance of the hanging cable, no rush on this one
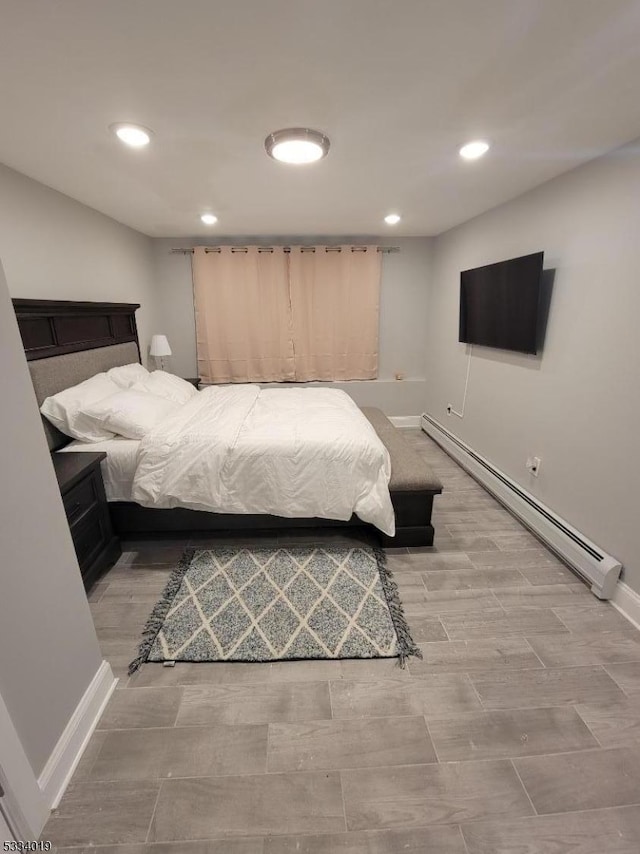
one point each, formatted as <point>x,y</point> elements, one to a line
<point>453,411</point>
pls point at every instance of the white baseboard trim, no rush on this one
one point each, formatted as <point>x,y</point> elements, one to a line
<point>404,422</point>
<point>627,601</point>
<point>23,805</point>
<point>66,754</point>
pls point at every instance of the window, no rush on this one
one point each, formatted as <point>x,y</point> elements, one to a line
<point>266,314</point>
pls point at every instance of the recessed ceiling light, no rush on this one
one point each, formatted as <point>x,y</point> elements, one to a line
<point>209,219</point>
<point>392,219</point>
<point>297,145</point>
<point>134,135</point>
<point>475,149</point>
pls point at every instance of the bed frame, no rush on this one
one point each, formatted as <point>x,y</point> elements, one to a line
<point>66,342</point>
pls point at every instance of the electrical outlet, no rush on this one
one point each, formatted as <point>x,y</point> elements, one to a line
<point>533,465</point>
<point>449,408</point>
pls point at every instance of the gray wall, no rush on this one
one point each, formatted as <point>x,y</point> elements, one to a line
<point>577,405</point>
<point>49,647</point>
<point>56,248</point>
<point>403,306</point>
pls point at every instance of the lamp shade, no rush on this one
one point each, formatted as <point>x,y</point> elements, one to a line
<point>159,346</point>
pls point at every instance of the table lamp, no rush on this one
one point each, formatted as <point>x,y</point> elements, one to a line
<point>159,349</point>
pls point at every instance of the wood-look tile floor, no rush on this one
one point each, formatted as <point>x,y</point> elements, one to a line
<point>518,731</point>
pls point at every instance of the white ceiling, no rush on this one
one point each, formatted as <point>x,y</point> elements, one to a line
<point>397,85</point>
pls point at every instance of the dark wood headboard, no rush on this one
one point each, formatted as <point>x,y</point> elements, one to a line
<point>55,327</point>
<point>67,342</point>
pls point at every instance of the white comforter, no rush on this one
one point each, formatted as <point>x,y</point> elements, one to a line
<point>293,453</point>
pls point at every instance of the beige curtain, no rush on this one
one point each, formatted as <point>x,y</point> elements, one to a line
<point>243,317</point>
<point>335,307</point>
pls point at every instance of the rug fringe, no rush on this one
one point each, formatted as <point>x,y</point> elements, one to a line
<point>406,645</point>
<point>160,611</point>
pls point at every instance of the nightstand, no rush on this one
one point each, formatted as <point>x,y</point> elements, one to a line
<point>85,503</point>
<point>195,381</point>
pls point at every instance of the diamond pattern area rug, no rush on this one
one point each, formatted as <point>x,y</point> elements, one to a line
<point>275,604</point>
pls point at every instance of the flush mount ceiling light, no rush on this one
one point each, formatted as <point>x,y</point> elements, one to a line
<point>133,135</point>
<point>297,145</point>
<point>209,219</point>
<point>392,219</point>
<point>475,149</point>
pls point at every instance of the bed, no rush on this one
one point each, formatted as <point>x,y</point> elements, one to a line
<point>119,467</point>
<point>68,342</point>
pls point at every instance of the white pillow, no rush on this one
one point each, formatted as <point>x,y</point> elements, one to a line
<point>127,375</point>
<point>168,386</point>
<point>63,410</point>
<point>129,412</point>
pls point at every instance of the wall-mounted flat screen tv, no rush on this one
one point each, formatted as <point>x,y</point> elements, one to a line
<point>499,304</point>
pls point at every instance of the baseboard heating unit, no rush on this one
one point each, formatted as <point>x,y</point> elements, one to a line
<point>590,562</point>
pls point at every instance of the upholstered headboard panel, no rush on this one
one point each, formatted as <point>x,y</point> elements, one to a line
<point>66,342</point>
<point>49,376</point>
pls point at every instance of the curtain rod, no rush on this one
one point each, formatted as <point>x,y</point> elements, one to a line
<point>208,249</point>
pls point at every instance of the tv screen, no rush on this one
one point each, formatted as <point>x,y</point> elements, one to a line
<point>499,304</point>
